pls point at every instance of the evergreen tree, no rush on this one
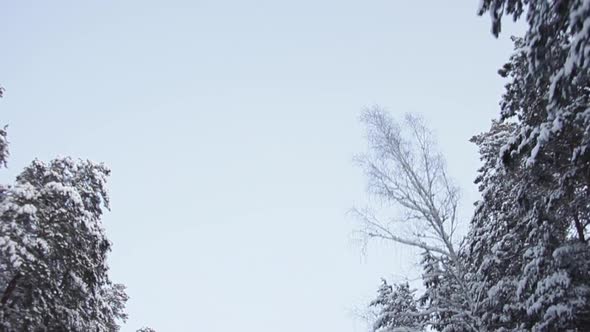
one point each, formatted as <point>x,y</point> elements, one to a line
<point>541,236</point>
<point>53,249</point>
<point>396,308</point>
<point>441,304</point>
<point>527,246</point>
<point>146,329</point>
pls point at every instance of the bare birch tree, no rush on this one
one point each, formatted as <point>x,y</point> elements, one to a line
<point>403,168</point>
<point>405,171</point>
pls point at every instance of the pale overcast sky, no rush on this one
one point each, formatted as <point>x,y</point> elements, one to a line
<point>230,127</point>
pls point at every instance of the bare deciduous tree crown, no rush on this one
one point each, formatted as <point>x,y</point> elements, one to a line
<point>405,169</point>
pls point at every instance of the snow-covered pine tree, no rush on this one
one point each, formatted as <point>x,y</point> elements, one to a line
<point>496,241</point>
<point>516,249</point>
<point>3,147</point>
<point>53,249</point>
<point>527,246</point>
<point>549,89</point>
<point>557,48</point>
<point>548,97</point>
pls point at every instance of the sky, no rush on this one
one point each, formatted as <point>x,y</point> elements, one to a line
<point>230,128</point>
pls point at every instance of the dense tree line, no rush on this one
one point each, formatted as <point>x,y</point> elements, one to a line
<point>525,263</point>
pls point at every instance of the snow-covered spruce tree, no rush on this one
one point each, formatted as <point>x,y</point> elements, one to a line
<point>396,309</point>
<point>53,250</point>
<point>405,171</point>
<point>528,243</point>
<point>442,303</point>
